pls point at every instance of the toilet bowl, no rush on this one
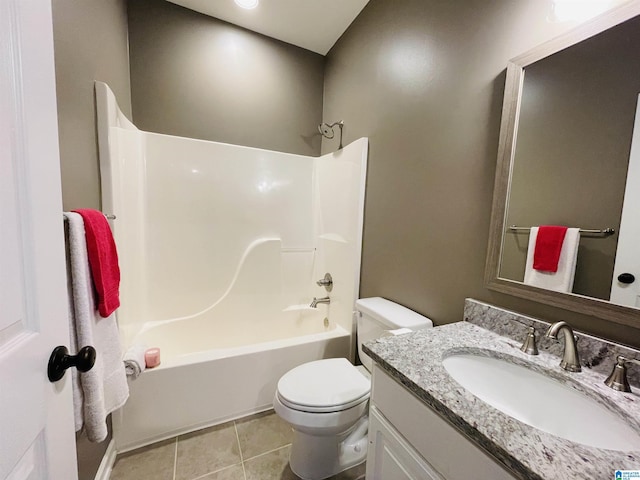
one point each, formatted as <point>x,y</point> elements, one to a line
<point>326,402</point>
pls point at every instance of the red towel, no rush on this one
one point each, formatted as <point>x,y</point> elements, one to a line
<point>103,260</point>
<point>548,247</point>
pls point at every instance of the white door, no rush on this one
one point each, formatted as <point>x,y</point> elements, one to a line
<point>628,252</point>
<point>36,418</point>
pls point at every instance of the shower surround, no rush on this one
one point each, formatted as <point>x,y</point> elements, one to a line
<point>220,246</point>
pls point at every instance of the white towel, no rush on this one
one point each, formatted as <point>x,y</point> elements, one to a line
<point>562,280</point>
<point>104,388</point>
<point>134,362</point>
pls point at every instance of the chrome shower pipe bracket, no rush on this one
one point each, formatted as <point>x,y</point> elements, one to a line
<point>326,131</point>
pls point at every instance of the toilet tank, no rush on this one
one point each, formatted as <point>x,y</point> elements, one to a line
<point>376,315</point>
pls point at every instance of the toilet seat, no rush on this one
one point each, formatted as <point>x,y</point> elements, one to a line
<point>328,409</point>
<point>323,386</point>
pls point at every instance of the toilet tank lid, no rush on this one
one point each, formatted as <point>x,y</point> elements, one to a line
<point>391,313</point>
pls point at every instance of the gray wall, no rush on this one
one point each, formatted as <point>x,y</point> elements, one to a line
<point>572,151</point>
<point>90,40</point>
<point>195,76</point>
<point>424,80</point>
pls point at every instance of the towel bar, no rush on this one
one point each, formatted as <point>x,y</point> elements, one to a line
<point>109,216</point>
<point>606,232</point>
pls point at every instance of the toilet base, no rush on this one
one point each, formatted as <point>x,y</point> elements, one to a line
<point>316,457</point>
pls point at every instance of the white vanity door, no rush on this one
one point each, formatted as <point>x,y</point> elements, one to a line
<point>391,456</point>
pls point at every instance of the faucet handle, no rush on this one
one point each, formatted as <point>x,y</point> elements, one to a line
<point>618,378</point>
<point>529,345</point>
<point>326,282</point>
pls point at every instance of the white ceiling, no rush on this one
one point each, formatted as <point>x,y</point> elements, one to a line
<point>312,24</point>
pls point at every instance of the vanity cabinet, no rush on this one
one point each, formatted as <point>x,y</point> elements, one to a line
<point>409,441</point>
<point>390,456</point>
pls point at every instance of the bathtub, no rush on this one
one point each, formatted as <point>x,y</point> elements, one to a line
<point>220,247</point>
<point>193,389</point>
<point>224,362</point>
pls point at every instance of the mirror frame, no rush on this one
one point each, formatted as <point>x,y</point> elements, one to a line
<point>506,150</point>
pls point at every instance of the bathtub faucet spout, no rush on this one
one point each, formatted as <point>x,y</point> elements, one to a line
<point>316,301</point>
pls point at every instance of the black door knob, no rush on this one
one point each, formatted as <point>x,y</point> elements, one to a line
<point>60,360</point>
<point>626,278</point>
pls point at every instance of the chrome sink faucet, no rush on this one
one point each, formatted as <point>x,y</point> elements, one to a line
<point>570,360</point>
<point>314,303</point>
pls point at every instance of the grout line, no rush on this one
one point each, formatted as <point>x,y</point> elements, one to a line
<point>244,472</point>
<point>175,460</point>
<point>217,471</point>
<point>270,451</point>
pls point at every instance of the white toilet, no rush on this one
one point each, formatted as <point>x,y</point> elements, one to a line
<point>326,402</point>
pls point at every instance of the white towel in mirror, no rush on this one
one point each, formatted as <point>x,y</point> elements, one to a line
<point>562,280</point>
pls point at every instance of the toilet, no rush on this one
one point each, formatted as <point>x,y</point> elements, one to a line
<point>326,402</point>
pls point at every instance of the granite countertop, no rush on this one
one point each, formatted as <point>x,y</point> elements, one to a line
<point>415,360</point>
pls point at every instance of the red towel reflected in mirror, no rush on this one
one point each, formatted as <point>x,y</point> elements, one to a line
<point>548,247</point>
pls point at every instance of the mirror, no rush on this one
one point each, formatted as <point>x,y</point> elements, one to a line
<point>566,158</point>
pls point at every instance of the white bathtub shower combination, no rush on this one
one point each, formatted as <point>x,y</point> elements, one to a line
<point>220,246</point>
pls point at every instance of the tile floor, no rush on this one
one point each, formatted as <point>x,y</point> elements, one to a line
<point>252,448</point>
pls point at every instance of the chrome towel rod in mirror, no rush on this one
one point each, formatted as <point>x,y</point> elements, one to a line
<point>109,216</point>
<point>605,232</point>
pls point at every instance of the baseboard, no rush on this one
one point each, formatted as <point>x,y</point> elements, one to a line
<point>185,430</point>
<point>106,465</point>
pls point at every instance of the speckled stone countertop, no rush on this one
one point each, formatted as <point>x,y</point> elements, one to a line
<point>415,360</point>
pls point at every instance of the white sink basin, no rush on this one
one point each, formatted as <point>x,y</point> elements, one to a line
<point>541,402</point>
